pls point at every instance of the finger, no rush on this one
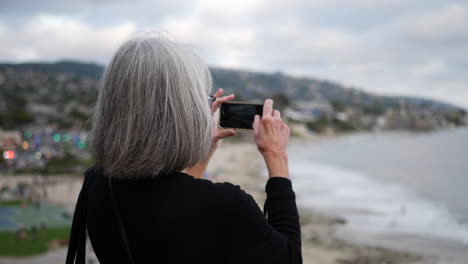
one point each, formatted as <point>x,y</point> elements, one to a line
<point>226,98</point>
<point>222,100</point>
<point>277,114</point>
<point>219,93</point>
<point>268,107</point>
<point>286,129</point>
<point>225,133</point>
<point>256,122</point>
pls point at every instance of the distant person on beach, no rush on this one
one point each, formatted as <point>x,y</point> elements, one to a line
<point>152,121</point>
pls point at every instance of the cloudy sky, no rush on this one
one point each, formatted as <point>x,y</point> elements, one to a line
<point>404,47</point>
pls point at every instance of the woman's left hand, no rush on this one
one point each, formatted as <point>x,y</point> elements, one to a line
<point>220,133</point>
<point>198,170</point>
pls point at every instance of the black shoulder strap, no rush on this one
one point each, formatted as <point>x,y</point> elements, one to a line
<point>77,244</point>
<point>123,234</point>
<point>265,208</point>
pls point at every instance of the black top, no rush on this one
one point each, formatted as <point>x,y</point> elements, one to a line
<point>176,218</point>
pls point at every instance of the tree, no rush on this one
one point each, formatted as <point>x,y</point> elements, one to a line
<point>2,159</point>
<point>281,101</point>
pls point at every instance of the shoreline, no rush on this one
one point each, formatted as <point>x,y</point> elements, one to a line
<point>240,163</point>
<point>427,225</point>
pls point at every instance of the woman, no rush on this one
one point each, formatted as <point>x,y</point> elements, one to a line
<point>153,120</point>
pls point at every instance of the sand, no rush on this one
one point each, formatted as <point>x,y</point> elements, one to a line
<point>240,163</point>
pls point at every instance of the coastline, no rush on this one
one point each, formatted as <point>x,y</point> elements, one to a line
<point>403,208</point>
<point>241,164</point>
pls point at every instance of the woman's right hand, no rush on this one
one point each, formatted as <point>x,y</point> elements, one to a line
<point>271,136</point>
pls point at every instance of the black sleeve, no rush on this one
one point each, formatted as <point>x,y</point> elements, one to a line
<point>281,209</point>
<point>272,239</point>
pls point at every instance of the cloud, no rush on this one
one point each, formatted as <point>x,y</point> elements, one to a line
<point>52,38</point>
<point>98,13</point>
<point>414,47</point>
<point>436,25</point>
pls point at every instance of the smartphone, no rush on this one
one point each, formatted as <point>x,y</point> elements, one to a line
<point>239,115</point>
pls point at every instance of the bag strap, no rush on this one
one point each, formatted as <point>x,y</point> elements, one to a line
<point>123,234</point>
<point>265,208</point>
<point>77,244</point>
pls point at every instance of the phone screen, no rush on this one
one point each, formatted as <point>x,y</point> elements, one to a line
<point>239,115</point>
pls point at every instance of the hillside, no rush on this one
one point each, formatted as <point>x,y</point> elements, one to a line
<point>250,85</point>
<point>65,91</point>
<point>260,85</point>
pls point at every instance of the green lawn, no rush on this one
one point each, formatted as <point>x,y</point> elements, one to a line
<point>10,202</point>
<point>56,218</point>
<point>10,245</point>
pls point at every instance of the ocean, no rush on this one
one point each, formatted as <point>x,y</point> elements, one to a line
<point>400,190</point>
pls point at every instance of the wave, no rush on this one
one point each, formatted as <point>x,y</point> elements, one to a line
<point>369,205</point>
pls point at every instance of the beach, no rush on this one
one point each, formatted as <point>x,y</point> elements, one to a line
<point>239,162</point>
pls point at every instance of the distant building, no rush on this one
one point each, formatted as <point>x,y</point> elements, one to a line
<point>308,111</point>
<point>314,108</point>
<point>9,139</point>
<point>342,116</point>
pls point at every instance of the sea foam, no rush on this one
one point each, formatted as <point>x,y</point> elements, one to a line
<point>370,205</point>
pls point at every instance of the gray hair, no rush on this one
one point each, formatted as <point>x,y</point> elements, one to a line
<point>152,113</point>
